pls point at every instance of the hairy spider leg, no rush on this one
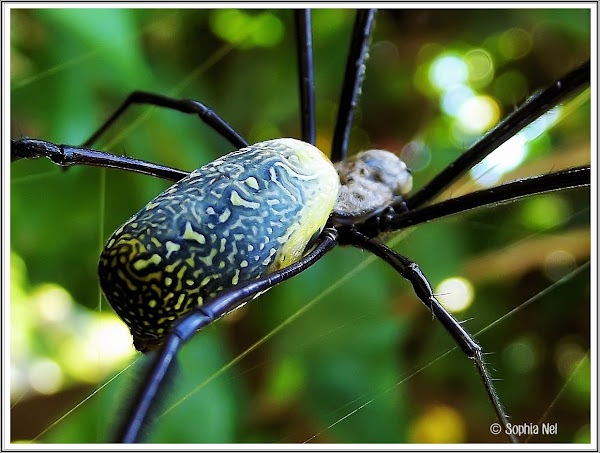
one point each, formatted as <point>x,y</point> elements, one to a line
<point>422,288</point>
<point>306,80</point>
<point>201,317</point>
<point>570,178</point>
<point>188,106</point>
<point>67,156</point>
<point>353,78</point>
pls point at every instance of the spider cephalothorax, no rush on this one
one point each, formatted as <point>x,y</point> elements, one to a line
<point>371,181</point>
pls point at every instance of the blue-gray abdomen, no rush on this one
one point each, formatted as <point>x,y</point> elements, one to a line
<point>235,219</point>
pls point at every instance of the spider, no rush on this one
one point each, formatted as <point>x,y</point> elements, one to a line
<point>312,329</point>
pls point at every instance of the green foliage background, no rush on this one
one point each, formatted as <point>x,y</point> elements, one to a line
<point>359,344</point>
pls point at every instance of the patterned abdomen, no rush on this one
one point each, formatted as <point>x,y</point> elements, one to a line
<point>240,217</point>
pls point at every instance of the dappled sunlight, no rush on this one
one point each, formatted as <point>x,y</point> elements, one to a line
<point>59,343</point>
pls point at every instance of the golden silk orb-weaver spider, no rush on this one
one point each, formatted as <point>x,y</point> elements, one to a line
<point>313,344</point>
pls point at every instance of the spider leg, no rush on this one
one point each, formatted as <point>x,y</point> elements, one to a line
<point>560,180</point>
<point>182,105</point>
<point>199,318</point>
<point>353,79</point>
<point>532,109</point>
<point>411,271</point>
<point>66,156</point>
<point>306,79</point>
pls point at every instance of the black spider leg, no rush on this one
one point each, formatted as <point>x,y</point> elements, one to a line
<point>411,272</point>
<point>182,105</point>
<point>532,109</point>
<point>201,317</point>
<point>306,80</point>
<point>66,156</point>
<point>353,79</point>
<point>565,179</point>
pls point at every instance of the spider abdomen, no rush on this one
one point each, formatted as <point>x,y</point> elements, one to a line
<point>235,219</point>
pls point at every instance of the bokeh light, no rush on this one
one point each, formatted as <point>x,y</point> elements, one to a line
<point>558,263</point>
<point>540,125</point>
<point>448,71</point>
<point>481,66</point>
<point>512,152</point>
<point>455,98</point>
<point>505,158</point>
<point>45,376</point>
<point>477,114</point>
<point>439,424</point>
<point>544,212</point>
<point>456,294</point>
<point>567,355</point>
<point>515,43</point>
<point>521,354</point>
<point>54,304</point>
<point>416,154</point>
<point>456,80</point>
